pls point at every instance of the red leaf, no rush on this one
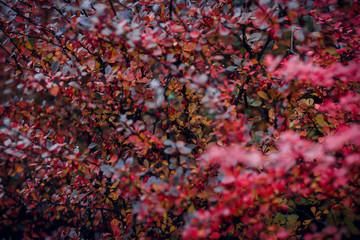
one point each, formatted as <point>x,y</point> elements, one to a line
<point>195,34</point>
<point>224,31</point>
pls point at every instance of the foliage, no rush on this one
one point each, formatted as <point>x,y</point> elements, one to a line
<point>179,119</point>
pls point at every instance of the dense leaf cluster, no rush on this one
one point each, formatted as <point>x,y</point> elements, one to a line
<point>179,119</point>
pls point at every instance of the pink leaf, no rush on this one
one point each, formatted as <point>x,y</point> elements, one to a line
<point>195,34</point>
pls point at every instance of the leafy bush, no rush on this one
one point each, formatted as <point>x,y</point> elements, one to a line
<point>179,119</point>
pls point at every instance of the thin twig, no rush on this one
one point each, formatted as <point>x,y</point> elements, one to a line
<point>261,53</point>
<point>292,39</point>
<point>242,91</point>
<point>171,9</point>
<point>113,9</point>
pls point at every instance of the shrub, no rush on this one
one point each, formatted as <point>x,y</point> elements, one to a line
<point>179,119</point>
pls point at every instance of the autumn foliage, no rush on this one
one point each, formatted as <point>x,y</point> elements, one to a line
<point>179,119</point>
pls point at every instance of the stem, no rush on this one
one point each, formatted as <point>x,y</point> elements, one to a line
<point>171,9</point>
<point>113,9</point>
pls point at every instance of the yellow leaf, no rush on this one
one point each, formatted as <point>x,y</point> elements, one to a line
<point>86,112</point>
<point>172,228</point>
<point>113,196</point>
<point>28,46</point>
<point>271,113</point>
<point>307,222</point>
<point>263,95</point>
<point>320,120</point>
<point>309,101</point>
<point>313,209</point>
<point>114,184</point>
<point>192,107</point>
<point>112,118</point>
<point>181,123</point>
<point>191,209</point>
<point>303,133</point>
<point>97,65</point>
<point>60,208</point>
<point>163,226</point>
<point>146,163</point>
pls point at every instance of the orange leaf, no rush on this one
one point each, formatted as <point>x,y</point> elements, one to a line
<point>113,196</point>
<point>113,159</point>
<point>275,46</point>
<point>28,46</point>
<point>313,209</point>
<point>54,90</point>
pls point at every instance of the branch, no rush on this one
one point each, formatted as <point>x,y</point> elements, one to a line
<point>261,53</point>
<point>245,44</point>
<point>113,9</point>
<point>242,91</point>
<point>171,9</point>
